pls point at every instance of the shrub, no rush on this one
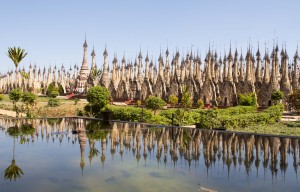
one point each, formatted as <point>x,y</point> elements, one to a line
<point>130,113</point>
<point>155,103</point>
<point>186,100</point>
<point>139,103</point>
<point>248,99</point>
<point>1,97</point>
<point>51,88</point>
<point>53,102</point>
<point>173,100</point>
<point>277,95</point>
<point>200,104</point>
<point>181,117</point>
<point>54,94</point>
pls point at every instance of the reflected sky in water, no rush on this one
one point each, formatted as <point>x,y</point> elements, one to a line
<point>60,155</point>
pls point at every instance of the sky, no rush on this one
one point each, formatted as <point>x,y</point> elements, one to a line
<point>53,31</point>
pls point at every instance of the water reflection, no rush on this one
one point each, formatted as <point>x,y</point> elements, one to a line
<point>233,151</point>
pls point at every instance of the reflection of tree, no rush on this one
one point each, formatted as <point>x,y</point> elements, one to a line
<point>13,172</point>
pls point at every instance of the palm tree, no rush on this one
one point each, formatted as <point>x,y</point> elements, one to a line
<point>16,55</point>
<point>13,172</point>
<point>95,73</point>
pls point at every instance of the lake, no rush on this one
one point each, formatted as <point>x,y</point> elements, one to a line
<point>72,154</point>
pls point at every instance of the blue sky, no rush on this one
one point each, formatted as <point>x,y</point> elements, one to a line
<point>52,32</point>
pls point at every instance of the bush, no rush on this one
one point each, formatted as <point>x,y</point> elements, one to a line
<point>155,103</point>
<point>181,117</point>
<point>139,103</point>
<point>247,99</point>
<point>277,95</point>
<point>51,88</point>
<point>173,100</point>
<point>200,104</point>
<point>1,97</point>
<point>130,114</point>
<point>54,94</point>
<point>15,95</point>
<point>53,102</point>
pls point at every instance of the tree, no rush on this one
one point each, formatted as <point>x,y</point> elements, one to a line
<point>15,95</point>
<point>98,98</point>
<point>29,100</point>
<point>13,171</point>
<point>247,99</point>
<point>16,55</point>
<point>173,100</point>
<point>95,73</point>
<point>276,96</point>
<point>155,103</point>
<point>294,99</point>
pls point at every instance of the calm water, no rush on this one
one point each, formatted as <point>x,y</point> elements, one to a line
<point>133,157</point>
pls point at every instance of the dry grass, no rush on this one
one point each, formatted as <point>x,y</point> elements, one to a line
<point>65,109</point>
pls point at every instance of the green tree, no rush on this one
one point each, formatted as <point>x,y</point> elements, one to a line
<point>248,99</point>
<point>276,96</point>
<point>98,98</point>
<point>29,101</point>
<point>15,95</point>
<point>173,100</point>
<point>155,103</point>
<point>16,55</point>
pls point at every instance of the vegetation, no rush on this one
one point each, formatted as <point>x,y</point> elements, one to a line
<point>53,102</point>
<point>154,103</point>
<point>294,99</point>
<point>15,95</point>
<point>173,100</point>
<point>98,98</point>
<point>1,97</point>
<point>276,96</point>
<point>29,100</point>
<point>139,103</point>
<point>200,104</point>
<point>248,99</point>
<point>16,55</point>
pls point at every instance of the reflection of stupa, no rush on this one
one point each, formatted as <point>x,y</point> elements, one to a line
<point>233,150</point>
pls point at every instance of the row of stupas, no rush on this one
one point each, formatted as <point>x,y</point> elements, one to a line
<point>217,79</point>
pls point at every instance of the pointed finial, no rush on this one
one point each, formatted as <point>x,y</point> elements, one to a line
<point>105,51</point>
<point>85,45</point>
<point>93,52</point>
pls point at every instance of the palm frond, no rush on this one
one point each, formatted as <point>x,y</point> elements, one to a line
<point>16,55</point>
